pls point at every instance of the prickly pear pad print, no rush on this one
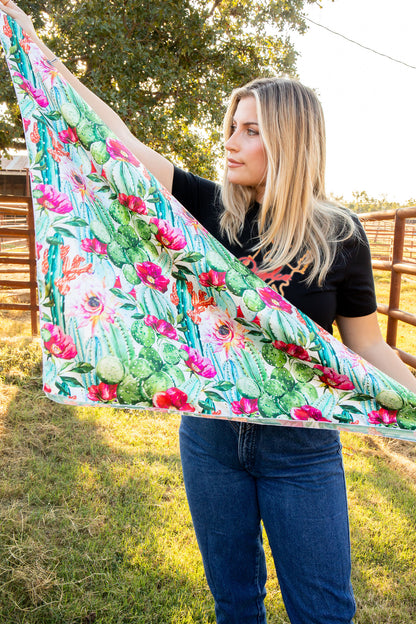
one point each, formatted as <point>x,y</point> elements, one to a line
<point>140,307</point>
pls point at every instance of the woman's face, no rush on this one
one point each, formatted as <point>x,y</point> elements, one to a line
<point>246,156</point>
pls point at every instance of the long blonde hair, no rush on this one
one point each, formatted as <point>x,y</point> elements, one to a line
<point>295,217</point>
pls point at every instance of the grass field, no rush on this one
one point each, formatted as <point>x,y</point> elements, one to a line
<point>95,528</point>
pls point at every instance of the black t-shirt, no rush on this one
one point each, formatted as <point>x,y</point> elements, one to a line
<point>348,289</point>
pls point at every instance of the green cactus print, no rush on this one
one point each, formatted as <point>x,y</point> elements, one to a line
<point>141,307</point>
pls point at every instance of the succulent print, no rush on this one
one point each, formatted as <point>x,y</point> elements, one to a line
<point>141,307</point>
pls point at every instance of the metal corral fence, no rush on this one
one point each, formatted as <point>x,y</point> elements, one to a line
<point>18,254</point>
<point>392,237</point>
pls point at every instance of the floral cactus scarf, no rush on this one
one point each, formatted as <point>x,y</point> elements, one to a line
<point>141,307</point>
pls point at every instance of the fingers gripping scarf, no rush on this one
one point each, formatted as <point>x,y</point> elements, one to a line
<point>141,307</point>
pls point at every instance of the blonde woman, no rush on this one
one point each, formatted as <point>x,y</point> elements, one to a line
<point>273,214</point>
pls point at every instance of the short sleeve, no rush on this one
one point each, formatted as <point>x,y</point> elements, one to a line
<point>199,196</point>
<point>356,293</point>
<point>202,198</point>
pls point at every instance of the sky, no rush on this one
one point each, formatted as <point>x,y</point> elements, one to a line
<point>369,101</point>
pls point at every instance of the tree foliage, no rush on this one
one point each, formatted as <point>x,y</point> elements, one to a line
<point>362,202</point>
<point>165,66</point>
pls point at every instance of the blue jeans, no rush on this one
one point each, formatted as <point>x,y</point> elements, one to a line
<point>239,474</point>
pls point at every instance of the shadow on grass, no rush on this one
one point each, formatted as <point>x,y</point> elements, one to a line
<point>383,530</point>
<point>93,516</point>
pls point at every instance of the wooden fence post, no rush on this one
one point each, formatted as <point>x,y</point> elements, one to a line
<point>20,207</point>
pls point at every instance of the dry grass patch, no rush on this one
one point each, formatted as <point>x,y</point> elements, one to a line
<point>95,528</point>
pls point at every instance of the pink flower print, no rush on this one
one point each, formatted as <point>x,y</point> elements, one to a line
<point>383,417</point>
<point>59,344</point>
<point>133,203</point>
<point>36,94</point>
<point>53,200</point>
<point>168,236</point>
<point>46,68</point>
<point>333,379</point>
<point>172,398</point>
<point>151,275</point>
<point>26,123</point>
<point>38,250</point>
<point>213,279</point>
<point>93,245</point>
<point>68,136</point>
<point>221,331</point>
<point>118,151</point>
<point>198,364</point>
<point>272,299</point>
<point>307,412</point>
<point>105,393</point>
<point>94,308</point>
<point>92,304</point>
<point>244,406</point>
<point>293,350</point>
<point>162,327</point>
<point>79,182</point>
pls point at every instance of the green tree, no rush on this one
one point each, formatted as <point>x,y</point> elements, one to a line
<point>362,202</point>
<point>165,66</point>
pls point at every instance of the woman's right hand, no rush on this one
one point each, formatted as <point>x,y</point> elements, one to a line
<point>24,21</point>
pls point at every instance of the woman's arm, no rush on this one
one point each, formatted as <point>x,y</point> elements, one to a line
<point>159,166</point>
<point>362,334</point>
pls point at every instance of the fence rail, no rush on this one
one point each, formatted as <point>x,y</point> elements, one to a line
<point>392,237</point>
<point>18,252</point>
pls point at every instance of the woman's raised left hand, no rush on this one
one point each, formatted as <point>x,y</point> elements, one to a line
<point>10,8</point>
